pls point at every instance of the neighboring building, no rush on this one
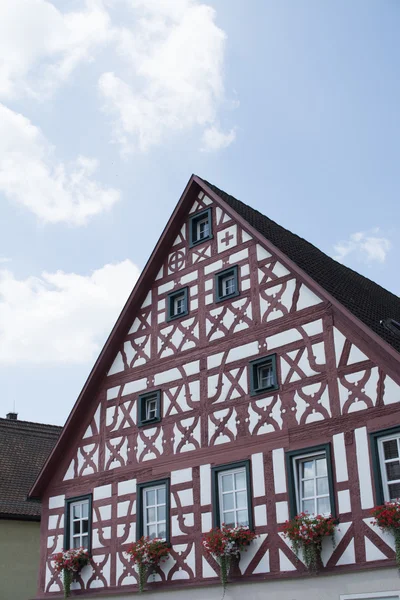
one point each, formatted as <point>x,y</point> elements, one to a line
<point>243,357</point>
<point>24,448</point>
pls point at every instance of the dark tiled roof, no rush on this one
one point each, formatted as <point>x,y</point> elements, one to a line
<point>24,448</point>
<point>367,300</point>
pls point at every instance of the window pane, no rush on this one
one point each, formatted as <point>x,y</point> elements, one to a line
<point>323,506</point>
<point>151,515</point>
<point>229,518</point>
<point>162,533</point>
<point>321,467</point>
<point>161,513</point>
<point>85,526</point>
<point>85,510</point>
<point>308,488</point>
<point>85,541</point>
<point>227,501</point>
<point>227,483</point>
<point>308,506</point>
<point>152,531</point>
<point>150,497</point>
<point>76,527</point>
<point>390,449</point>
<point>161,496</point>
<point>307,469</point>
<point>394,491</point>
<point>243,517</point>
<point>241,499</point>
<point>76,542</point>
<point>76,511</point>
<point>240,480</point>
<point>393,470</point>
<point>322,486</point>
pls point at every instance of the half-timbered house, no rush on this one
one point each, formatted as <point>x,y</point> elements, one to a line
<point>249,377</point>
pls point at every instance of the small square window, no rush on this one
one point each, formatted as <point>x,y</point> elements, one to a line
<point>263,375</point>
<point>153,510</point>
<point>200,227</point>
<point>149,408</point>
<point>177,304</point>
<point>226,284</point>
<point>78,523</point>
<point>386,464</point>
<point>232,495</point>
<point>311,481</point>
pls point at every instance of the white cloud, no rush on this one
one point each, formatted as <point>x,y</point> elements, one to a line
<point>171,74</point>
<point>31,176</point>
<point>40,46</point>
<point>214,139</point>
<point>61,317</point>
<point>365,246</point>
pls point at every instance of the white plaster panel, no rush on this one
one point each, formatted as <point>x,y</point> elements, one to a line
<point>282,512</point>
<point>372,552</point>
<point>282,338</point>
<point>279,270</point>
<point>356,355</point>
<point>56,501</point>
<point>327,546</point>
<point>113,392</point>
<point>242,352</point>
<point>181,476</point>
<point>147,300</point>
<point>161,317</point>
<point>206,522</point>
<point>189,277</point>
<point>52,524</point>
<point>127,487</point>
<point>122,508</point>
<point>103,491</point>
<point>70,473</point>
<point>245,236</point>
<point>307,298</point>
<point>392,391</point>
<point>186,497</point>
<point>208,571</point>
<point>134,386</point>
<point>339,449</point>
<point>339,341</point>
<point>251,551</point>
<point>209,299</point>
<point>161,304</point>
<point>209,284</point>
<point>246,286</point>
<point>313,328</point>
<point>117,366</point>
<point>175,529</point>
<point>262,253</point>
<point>284,563</point>
<point>263,565</point>
<point>165,287</point>
<point>194,304</point>
<point>260,515</point>
<point>214,360</point>
<point>386,536</point>
<point>257,468</point>
<point>105,512</point>
<point>167,376</point>
<point>348,556</point>
<point>205,484</point>
<point>364,468</point>
<point>278,461</point>
<point>215,266</point>
<point>245,270</point>
<point>344,501</point>
<point>238,256</point>
<point>231,234</point>
<point>160,273</point>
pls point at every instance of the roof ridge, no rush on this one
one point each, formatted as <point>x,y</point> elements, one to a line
<point>17,422</point>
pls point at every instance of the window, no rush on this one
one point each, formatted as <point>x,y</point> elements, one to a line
<point>200,227</point>
<point>149,408</point>
<point>232,495</point>
<point>177,304</point>
<point>78,523</point>
<point>386,464</point>
<point>311,481</point>
<point>153,510</point>
<point>263,376</point>
<point>226,284</point>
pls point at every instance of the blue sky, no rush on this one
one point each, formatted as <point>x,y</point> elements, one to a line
<point>108,106</point>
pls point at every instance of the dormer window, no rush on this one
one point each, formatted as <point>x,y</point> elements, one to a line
<point>149,408</point>
<point>200,227</point>
<point>226,284</point>
<point>177,304</point>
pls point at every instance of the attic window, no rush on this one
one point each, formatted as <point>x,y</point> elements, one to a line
<point>392,326</point>
<point>226,284</point>
<point>177,304</point>
<point>200,227</point>
<point>149,406</point>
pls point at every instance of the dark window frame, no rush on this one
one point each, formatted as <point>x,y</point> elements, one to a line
<point>67,520</point>
<point>170,304</point>
<point>218,296</point>
<point>139,506</point>
<point>254,364</point>
<point>293,454</point>
<point>141,403</point>
<point>193,220</point>
<point>376,463</point>
<point>215,490</point>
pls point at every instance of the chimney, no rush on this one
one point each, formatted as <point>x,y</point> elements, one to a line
<point>12,416</point>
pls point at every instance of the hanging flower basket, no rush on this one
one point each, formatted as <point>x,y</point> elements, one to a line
<point>145,554</point>
<point>306,533</point>
<point>387,517</point>
<point>69,563</point>
<point>226,543</point>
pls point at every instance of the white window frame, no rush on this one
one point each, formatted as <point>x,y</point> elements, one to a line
<point>71,522</point>
<point>152,400</point>
<point>265,365</point>
<point>221,493</point>
<point>297,460</point>
<point>155,506</point>
<point>199,223</point>
<point>383,461</point>
<point>390,595</point>
<point>224,281</point>
<point>179,303</point>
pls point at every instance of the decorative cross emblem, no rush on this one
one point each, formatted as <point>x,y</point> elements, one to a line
<point>176,261</point>
<point>227,238</point>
